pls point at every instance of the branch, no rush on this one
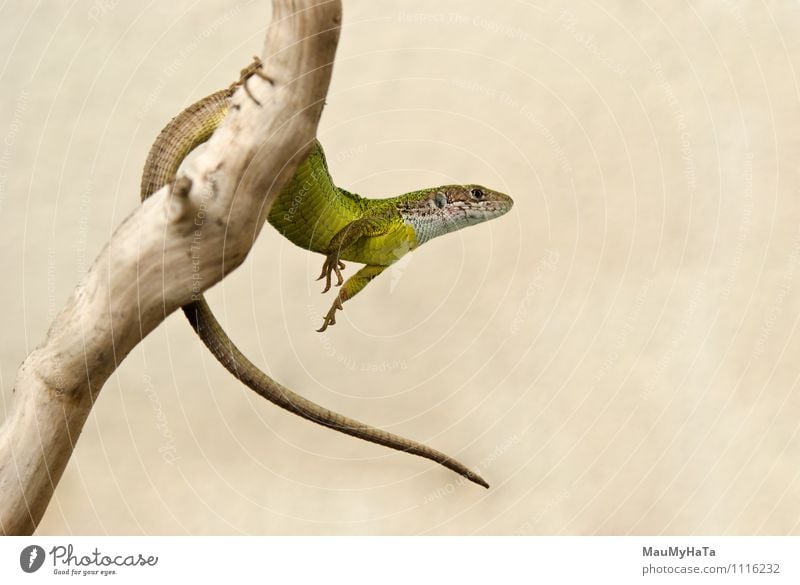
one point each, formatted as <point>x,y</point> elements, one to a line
<point>172,248</point>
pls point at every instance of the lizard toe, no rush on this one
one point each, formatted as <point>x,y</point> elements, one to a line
<point>255,68</point>
<point>331,265</point>
<point>330,317</point>
<point>338,272</point>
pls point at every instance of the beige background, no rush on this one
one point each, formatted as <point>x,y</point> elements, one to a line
<point>618,355</point>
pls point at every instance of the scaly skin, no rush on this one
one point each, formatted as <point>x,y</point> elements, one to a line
<point>315,214</point>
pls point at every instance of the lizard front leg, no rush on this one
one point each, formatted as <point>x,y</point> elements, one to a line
<point>351,288</point>
<point>365,227</point>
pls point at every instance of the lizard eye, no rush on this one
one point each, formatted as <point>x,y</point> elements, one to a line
<point>476,193</point>
<point>440,200</point>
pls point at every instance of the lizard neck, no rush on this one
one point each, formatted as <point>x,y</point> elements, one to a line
<point>426,221</point>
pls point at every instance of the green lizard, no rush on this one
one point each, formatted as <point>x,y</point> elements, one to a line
<point>315,214</point>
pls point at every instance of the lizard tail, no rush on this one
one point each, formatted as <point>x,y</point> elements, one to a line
<point>183,133</point>
<point>211,332</point>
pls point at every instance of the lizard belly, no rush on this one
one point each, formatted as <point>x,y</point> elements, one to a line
<point>382,250</point>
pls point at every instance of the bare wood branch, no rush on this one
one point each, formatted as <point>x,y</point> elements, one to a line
<point>173,247</point>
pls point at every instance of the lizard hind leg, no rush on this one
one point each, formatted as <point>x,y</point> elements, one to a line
<point>351,288</point>
<point>255,68</point>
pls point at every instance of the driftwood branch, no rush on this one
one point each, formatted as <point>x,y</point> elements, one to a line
<point>174,246</point>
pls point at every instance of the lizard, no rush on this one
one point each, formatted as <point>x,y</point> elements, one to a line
<point>315,214</point>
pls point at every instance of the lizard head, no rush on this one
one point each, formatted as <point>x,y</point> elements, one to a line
<point>467,205</point>
<point>441,210</point>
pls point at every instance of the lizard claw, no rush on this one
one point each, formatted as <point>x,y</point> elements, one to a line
<point>330,318</point>
<point>255,68</point>
<point>332,264</point>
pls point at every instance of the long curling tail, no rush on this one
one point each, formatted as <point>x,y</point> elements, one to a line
<point>211,332</point>
<point>180,136</point>
<point>185,132</point>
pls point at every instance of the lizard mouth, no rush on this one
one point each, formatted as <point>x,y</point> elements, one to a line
<point>488,211</point>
